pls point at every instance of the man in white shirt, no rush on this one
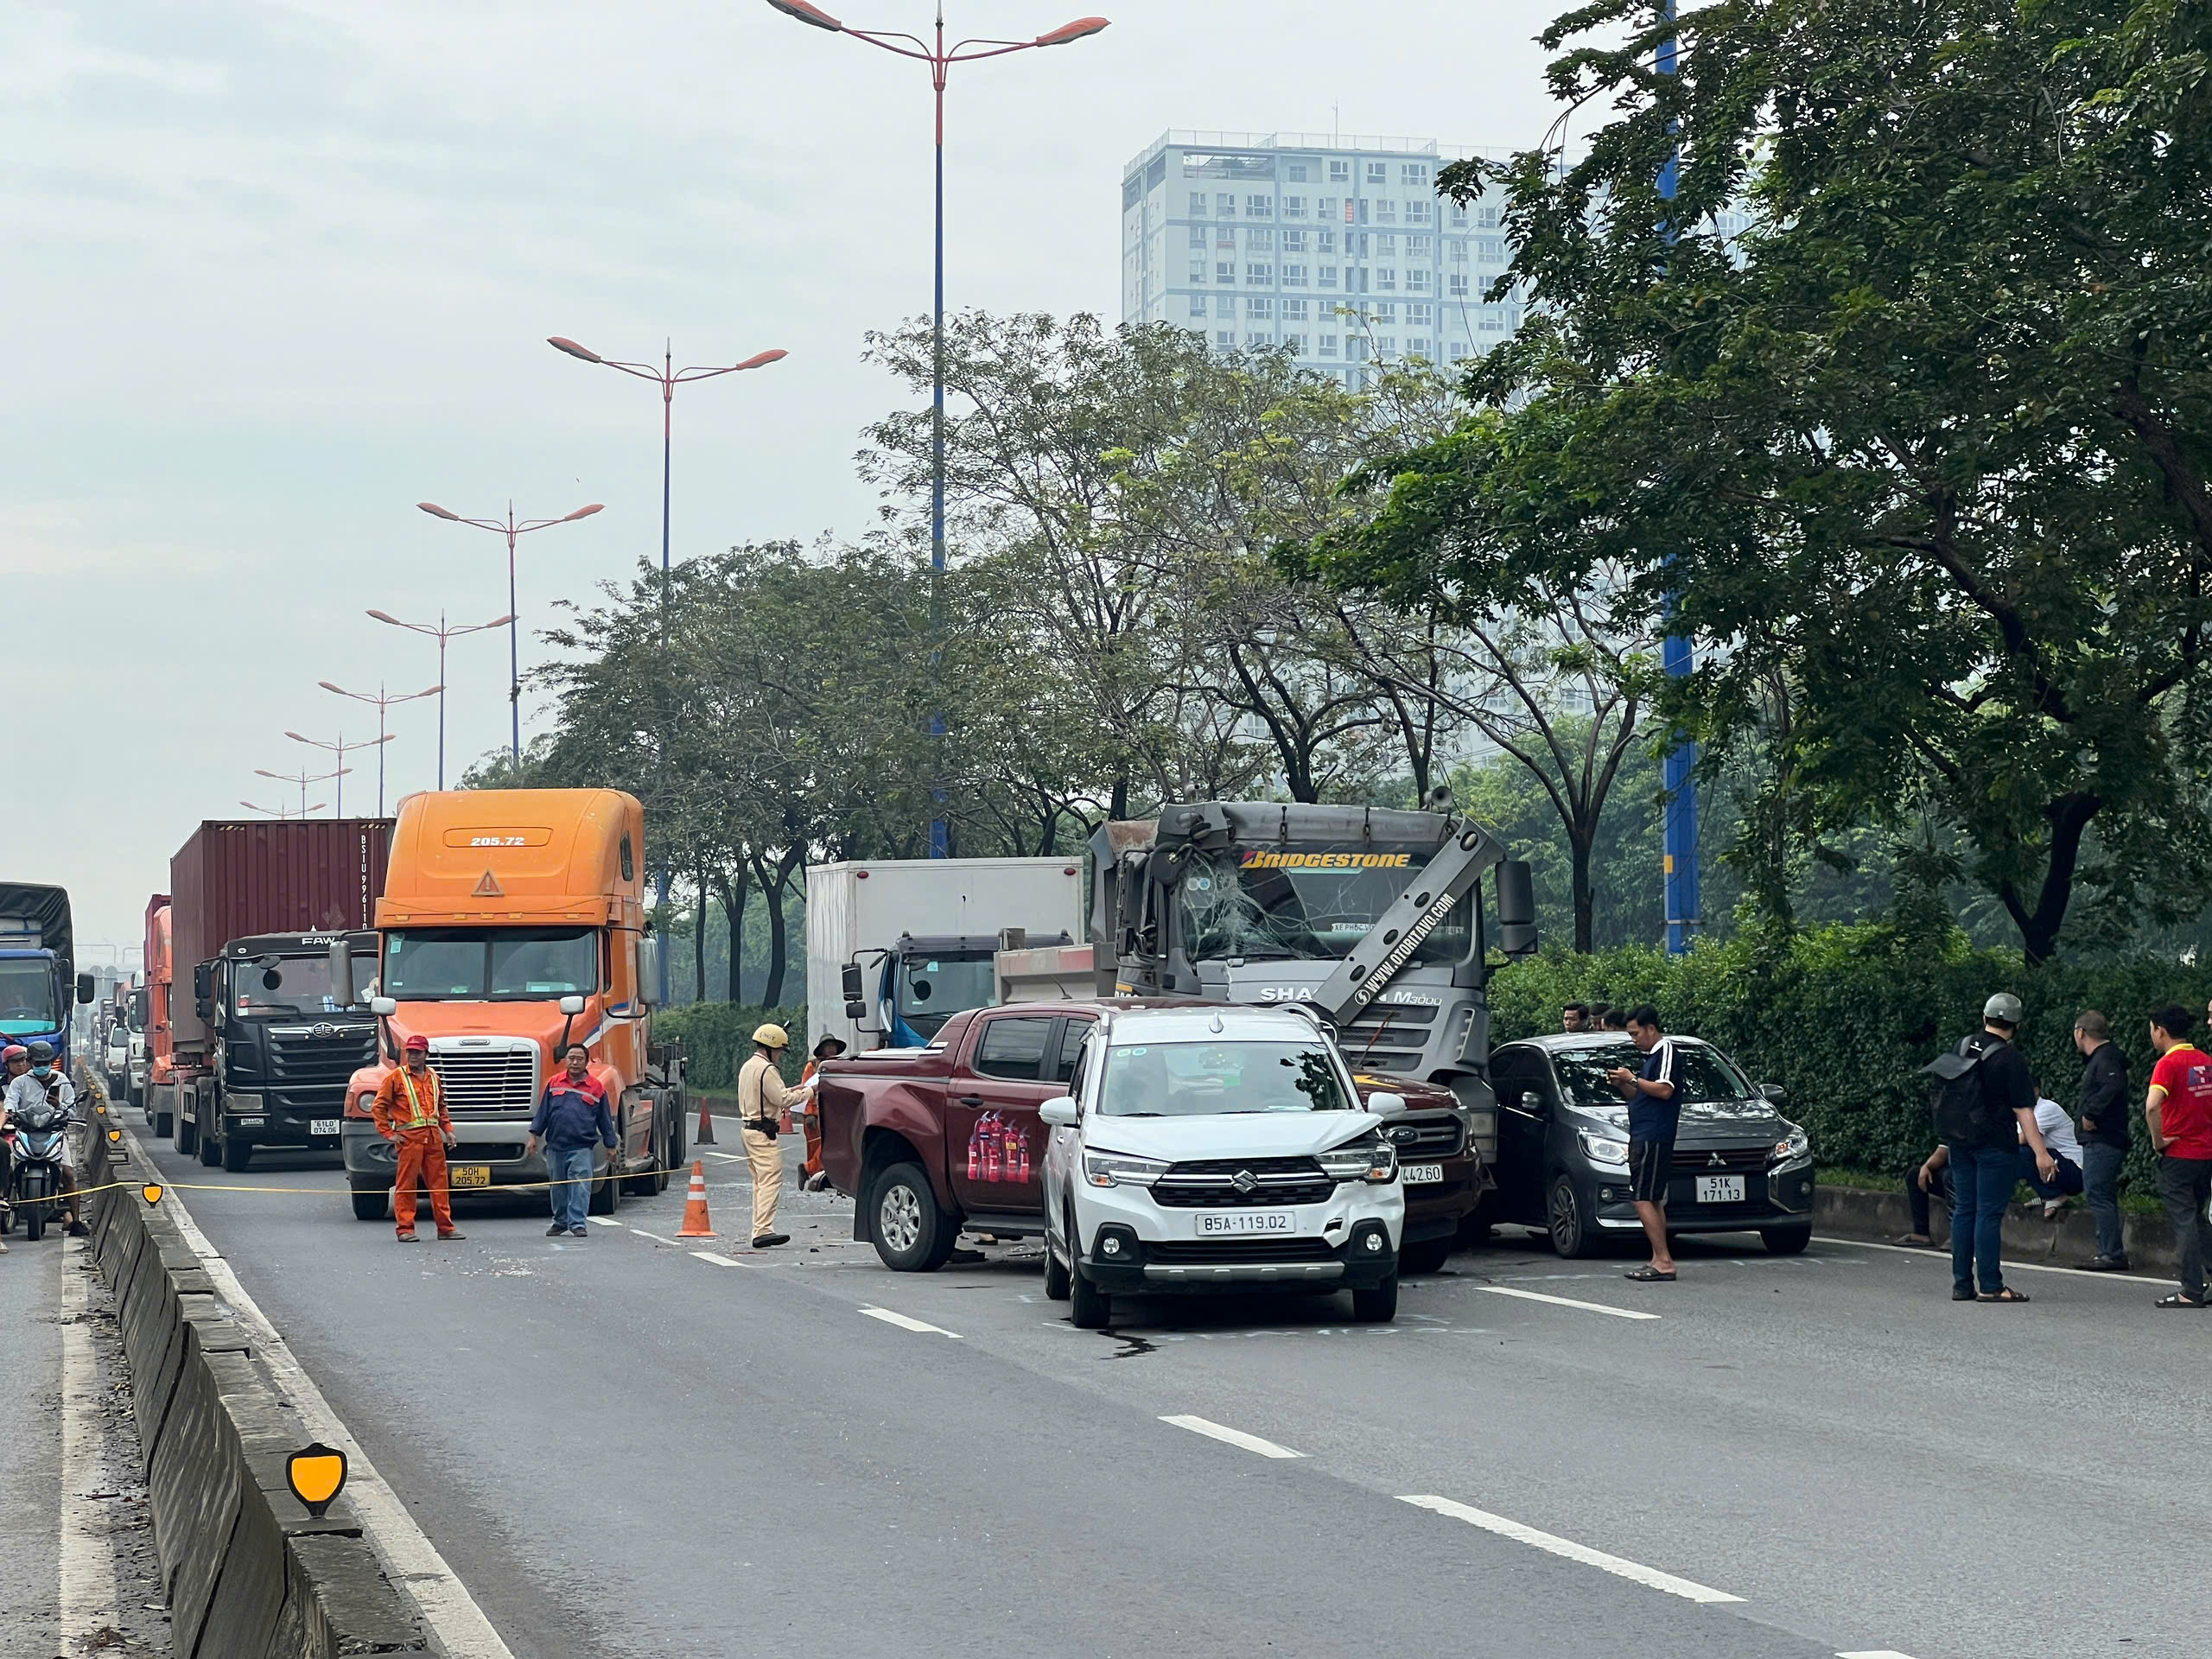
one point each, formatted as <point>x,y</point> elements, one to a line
<point>2065,1147</point>
<point>44,1084</point>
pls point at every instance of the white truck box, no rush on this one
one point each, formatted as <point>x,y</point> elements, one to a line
<point>865,904</point>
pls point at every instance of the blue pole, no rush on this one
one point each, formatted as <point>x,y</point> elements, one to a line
<point>1684,915</point>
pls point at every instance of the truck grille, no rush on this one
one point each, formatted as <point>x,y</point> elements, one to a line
<point>308,1066</point>
<point>1210,1183</point>
<point>1388,1032</point>
<point>488,1082</point>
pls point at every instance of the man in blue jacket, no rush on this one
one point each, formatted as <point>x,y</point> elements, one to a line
<point>573,1119</point>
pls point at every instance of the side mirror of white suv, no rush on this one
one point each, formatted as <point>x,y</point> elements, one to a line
<point>1060,1112</point>
<point>1385,1104</point>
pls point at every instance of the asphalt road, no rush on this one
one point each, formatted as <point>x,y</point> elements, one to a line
<point>625,1449</point>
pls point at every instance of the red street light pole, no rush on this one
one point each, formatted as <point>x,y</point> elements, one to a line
<point>302,779</point>
<point>940,60</point>
<point>441,634</point>
<point>382,701</point>
<point>512,527</point>
<point>341,748</point>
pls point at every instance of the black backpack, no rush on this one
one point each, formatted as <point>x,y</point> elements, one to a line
<point>1964,1116</point>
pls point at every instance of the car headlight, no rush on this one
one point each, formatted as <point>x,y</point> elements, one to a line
<point>1795,1144</point>
<point>1373,1159</point>
<point>1118,1169</point>
<point>1604,1150</point>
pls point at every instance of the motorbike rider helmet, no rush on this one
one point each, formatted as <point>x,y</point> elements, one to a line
<point>13,1052</point>
<point>42,1056</point>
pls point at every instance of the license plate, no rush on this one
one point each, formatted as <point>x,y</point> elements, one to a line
<point>1248,1221</point>
<point>322,1125</point>
<point>1720,1189</point>
<point>468,1174</point>
<point>1420,1174</point>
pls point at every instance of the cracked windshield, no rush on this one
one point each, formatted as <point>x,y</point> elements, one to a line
<point>1293,902</point>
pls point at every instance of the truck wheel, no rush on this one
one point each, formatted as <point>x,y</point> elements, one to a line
<point>1425,1257</point>
<point>606,1195</point>
<point>1786,1241</point>
<point>237,1154</point>
<point>184,1134</point>
<point>211,1148</point>
<point>165,1125</point>
<point>1088,1308</point>
<point>676,1134</point>
<point>643,1185</point>
<point>1570,1233</point>
<point>912,1234</point>
<point>1378,1305</point>
<point>369,1204</point>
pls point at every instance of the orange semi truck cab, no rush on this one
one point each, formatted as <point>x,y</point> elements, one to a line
<point>510,919</point>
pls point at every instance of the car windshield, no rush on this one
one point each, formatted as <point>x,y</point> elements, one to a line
<point>1305,902</point>
<point>931,990</point>
<point>513,964</point>
<point>293,984</point>
<point>27,995</point>
<point>1702,1075</point>
<point>1207,1079</point>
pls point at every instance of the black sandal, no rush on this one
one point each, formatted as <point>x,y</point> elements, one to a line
<point>1650,1275</point>
<point>2007,1294</point>
<point>2176,1300</point>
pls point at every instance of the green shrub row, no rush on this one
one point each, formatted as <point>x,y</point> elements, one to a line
<point>1844,1017</point>
<point>718,1036</point>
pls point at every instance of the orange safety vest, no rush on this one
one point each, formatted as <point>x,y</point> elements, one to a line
<point>419,1119</point>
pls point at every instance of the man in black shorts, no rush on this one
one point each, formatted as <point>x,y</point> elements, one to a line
<point>1654,1113</point>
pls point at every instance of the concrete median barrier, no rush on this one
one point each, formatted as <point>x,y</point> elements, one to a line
<point>249,1573</point>
<point>1852,1212</point>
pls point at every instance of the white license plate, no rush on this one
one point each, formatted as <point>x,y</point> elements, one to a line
<point>1420,1174</point>
<point>1720,1189</point>
<point>1235,1221</point>
<point>322,1125</point>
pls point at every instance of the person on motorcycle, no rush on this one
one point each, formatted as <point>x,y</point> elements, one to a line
<point>44,1084</point>
<point>16,1062</point>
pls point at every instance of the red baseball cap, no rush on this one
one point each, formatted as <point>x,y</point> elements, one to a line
<point>417,1045</point>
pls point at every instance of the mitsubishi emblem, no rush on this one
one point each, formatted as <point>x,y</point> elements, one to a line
<point>1243,1180</point>
<point>1714,1160</point>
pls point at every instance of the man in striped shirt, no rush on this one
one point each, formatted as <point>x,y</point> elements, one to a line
<point>1654,1115</point>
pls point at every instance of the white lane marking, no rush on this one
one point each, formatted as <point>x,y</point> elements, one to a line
<point>597,1222</point>
<point>1232,1437</point>
<point>727,1157</point>
<point>720,1261</point>
<point>409,1555</point>
<point>1636,1572</point>
<point>1945,1256</point>
<point>907,1323</point>
<point>656,1237</point>
<point>1567,1301</point>
<point>88,1597</point>
<point>1886,1653</point>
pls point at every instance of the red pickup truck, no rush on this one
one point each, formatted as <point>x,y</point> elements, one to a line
<point>930,1141</point>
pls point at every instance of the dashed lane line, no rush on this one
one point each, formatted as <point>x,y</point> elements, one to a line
<point>1232,1437</point>
<point>720,1261</point>
<point>1567,1301</point>
<point>905,1323</point>
<point>727,1157</point>
<point>1634,1571</point>
<point>601,1221</point>
<point>656,1237</point>
<point>1944,1256</point>
<point>1875,1653</point>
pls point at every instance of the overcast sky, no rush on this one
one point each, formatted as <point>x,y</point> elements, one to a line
<point>274,270</point>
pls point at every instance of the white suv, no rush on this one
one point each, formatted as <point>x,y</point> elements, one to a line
<point>1217,1148</point>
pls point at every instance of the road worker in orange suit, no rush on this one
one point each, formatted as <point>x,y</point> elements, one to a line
<point>410,1113</point>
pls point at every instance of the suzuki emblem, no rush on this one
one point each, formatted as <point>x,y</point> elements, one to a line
<point>1243,1180</point>
<point>1714,1160</point>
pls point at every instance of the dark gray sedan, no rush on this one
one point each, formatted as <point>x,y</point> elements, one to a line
<point>1562,1146</point>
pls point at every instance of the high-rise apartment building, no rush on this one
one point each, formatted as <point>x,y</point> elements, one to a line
<point>1337,248</point>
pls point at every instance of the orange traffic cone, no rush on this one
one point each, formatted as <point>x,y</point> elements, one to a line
<point>694,1206</point>
<point>705,1137</point>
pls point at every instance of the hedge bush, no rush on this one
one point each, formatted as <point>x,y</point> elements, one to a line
<point>1843,1017</point>
<point>717,1037</point>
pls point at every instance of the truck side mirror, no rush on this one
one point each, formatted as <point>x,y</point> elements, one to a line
<point>341,973</point>
<point>1516,908</point>
<point>383,1007</point>
<point>649,971</point>
<point>854,1008</point>
<point>572,1006</point>
<point>851,983</point>
<point>203,991</point>
<point>85,992</point>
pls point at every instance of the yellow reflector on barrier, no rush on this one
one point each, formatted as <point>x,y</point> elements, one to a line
<point>153,1192</point>
<point>316,1475</point>
<point>115,1134</point>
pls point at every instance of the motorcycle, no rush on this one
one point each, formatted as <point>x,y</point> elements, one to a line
<point>35,1180</point>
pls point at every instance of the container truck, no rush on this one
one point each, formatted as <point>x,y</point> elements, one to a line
<point>40,985</point>
<point>157,1082</point>
<point>260,1048</point>
<point>512,920</point>
<point>896,947</point>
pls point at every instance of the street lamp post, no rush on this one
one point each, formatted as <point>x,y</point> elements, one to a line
<point>381,702</point>
<point>341,748</point>
<point>940,59</point>
<point>302,780</point>
<point>441,634</point>
<point>512,527</point>
<point>668,376</point>
<point>279,811</point>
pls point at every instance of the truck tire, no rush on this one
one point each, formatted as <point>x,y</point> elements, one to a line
<point>237,1154</point>
<point>912,1234</point>
<point>1088,1308</point>
<point>184,1134</point>
<point>371,1204</point>
<point>678,1121</point>
<point>211,1147</point>
<point>165,1125</point>
<point>1378,1305</point>
<point>1569,1229</point>
<point>606,1195</point>
<point>649,1181</point>
<point>1425,1257</point>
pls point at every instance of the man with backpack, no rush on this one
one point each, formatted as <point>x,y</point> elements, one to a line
<point>1985,1109</point>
